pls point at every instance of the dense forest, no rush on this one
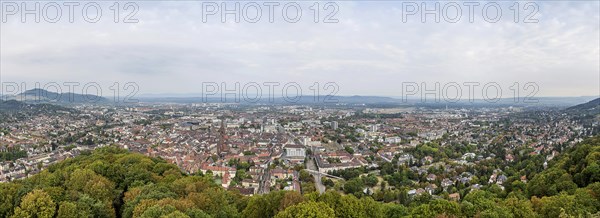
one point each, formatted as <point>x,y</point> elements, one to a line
<point>112,182</point>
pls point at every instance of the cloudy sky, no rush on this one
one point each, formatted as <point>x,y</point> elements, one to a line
<point>370,51</point>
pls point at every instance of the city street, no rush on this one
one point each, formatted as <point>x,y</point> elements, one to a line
<point>310,164</point>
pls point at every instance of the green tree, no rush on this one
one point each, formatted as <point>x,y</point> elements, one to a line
<point>328,182</point>
<point>519,208</point>
<point>349,149</point>
<point>555,205</point>
<point>355,185</point>
<point>370,180</point>
<point>308,209</point>
<point>423,210</point>
<point>349,206</point>
<point>305,176</point>
<point>372,208</point>
<point>264,205</point>
<point>176,214</point>
<point>197,213</point>
<point>67,210</point>
<point>551,182</point>
<point>290,198</point>
<point>480,201</point>
<point>86,181</point>
<point>8,196</point>
<point>448,208</point>
<point>36,204</point>
<point>393,210</point>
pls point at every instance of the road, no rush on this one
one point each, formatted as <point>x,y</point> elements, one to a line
<point>310,164</point>
<point>265,186</point>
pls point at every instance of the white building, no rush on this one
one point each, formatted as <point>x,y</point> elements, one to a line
<point>295,151</point>
<point>374,128</point>
<point>394,139</point>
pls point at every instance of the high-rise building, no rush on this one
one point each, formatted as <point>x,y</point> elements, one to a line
<point>374,128</point>
<point>222,146</point>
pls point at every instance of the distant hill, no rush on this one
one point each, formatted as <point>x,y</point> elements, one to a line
<point>280,100</point>
<point>45,96</point>
<point>591,105</point>
<point>562,102</point>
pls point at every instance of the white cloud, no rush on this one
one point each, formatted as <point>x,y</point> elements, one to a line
<point>369,52</point>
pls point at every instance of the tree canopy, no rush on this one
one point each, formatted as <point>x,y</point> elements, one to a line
<point>112,182</point>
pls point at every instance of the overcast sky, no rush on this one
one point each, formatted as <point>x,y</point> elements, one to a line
<point>370,51</point>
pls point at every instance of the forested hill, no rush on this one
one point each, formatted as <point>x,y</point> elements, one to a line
<point>112,182</point>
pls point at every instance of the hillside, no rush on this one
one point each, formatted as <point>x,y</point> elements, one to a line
<point>45,96</point>
<point>13,106</point>
<point>112,182</point>
<point>12,110</point>
<point>591,105</point>
<point>588,113</point>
